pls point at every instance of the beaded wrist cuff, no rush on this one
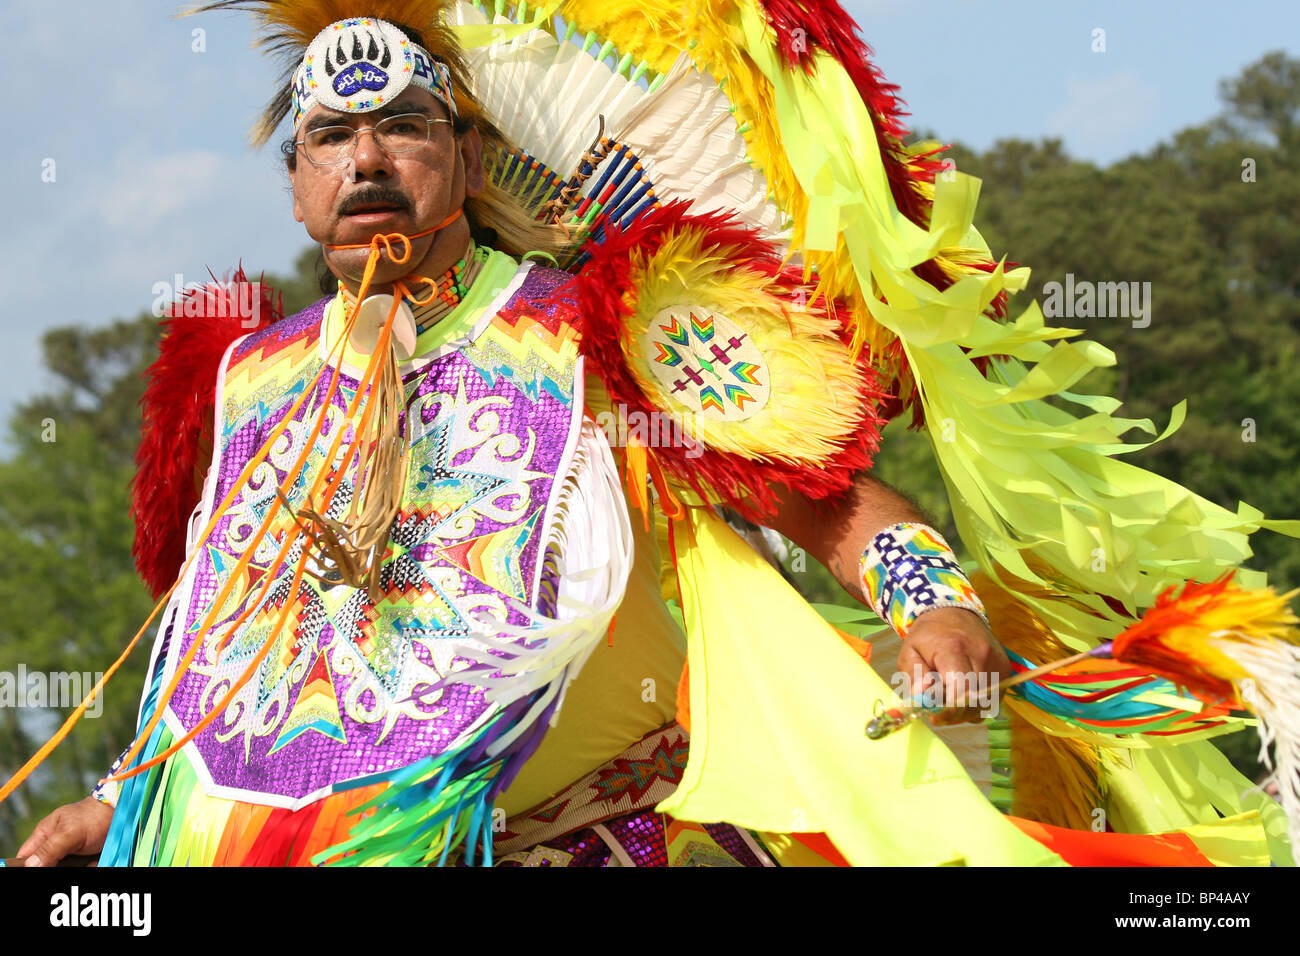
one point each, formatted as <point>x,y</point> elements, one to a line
<point>105,791</point>
<point>909,569</point>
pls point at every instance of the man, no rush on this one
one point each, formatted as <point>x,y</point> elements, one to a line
<point>414,167</point>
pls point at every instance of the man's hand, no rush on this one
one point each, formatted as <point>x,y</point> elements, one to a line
<point>953,643</point>
<point>77,828</point>
<point>949,642</point>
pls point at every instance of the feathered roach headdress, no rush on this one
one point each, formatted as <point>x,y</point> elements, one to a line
<point>288,30</point>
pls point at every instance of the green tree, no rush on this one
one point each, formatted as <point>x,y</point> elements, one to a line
<point>1266,98</point>
<point>67,581</point>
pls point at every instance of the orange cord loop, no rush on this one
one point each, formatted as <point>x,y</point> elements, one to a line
<point>406,292</point>
<point>333,361</point>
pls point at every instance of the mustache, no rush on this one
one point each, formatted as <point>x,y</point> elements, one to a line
<point>375,194</point>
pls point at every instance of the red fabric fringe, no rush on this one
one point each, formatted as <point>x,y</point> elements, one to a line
<point>803,27</point>
<point>1088,848</point>
<point>605,296</point>
<point>179,404</point>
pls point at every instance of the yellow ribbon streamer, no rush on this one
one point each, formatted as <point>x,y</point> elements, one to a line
<point>778,706</point>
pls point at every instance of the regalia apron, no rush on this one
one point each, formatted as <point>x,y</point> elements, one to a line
<point>419,707</point>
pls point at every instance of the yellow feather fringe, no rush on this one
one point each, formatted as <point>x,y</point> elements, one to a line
<point>710,31</point>
<point>814,405</point>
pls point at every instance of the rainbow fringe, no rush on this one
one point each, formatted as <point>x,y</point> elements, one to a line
<point>1111,697</point>
<point>411,816</point>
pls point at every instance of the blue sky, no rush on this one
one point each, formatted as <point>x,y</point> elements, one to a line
<point>154,177</point>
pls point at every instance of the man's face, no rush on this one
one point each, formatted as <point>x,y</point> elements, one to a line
<point>378,192</point>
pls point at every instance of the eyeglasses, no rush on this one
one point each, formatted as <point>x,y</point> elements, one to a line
<point>332,145</point>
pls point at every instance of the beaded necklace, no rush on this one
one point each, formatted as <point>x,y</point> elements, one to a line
<point>451,287</point>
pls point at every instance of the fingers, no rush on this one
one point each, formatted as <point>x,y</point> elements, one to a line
<point>40,834</point>
<point>999,662</point>
<point>917,670</point>
<point>75,828</point>
<point>925,666</point>
<point>58,844</point>
<point>950,660</point>
<point>986,656</point>
<point>954,664</point>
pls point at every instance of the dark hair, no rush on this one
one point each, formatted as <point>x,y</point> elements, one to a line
<point>326,281</point>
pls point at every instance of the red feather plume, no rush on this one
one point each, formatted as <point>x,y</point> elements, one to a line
<point>802,28</point>
<point>179,406</point>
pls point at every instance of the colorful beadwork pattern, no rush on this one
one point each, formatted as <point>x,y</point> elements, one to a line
<point>368,56</point>
<point>428,305</point>
<point>356,687</point>
<point>707,362</point>
<point>638,778</point>
<point>909,569</point>
<point>645,838</point>
<point>608,818</point>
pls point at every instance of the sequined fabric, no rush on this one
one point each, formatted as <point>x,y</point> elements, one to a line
<point>608,818</point>
<point>643,839</point>
<point>353,687</point>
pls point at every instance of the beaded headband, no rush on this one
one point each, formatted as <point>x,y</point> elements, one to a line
<point>359,64</point>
